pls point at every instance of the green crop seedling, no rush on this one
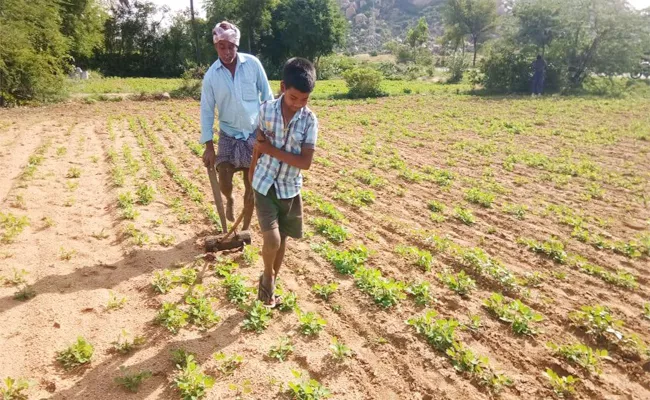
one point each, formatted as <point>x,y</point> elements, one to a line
<point>132,381</point>
<point>79,353</point>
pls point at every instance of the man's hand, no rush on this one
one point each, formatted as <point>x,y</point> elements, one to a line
<point>209,156</point>
<point>263,146</point>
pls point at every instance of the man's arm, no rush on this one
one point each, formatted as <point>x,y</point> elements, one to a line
<point>207,109</point>
<point>263,85</point>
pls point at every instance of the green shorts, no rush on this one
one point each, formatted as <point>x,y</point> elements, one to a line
<point>282,214</point>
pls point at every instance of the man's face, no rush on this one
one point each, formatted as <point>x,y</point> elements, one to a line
<point>227,51</point>
<point>294,99</point>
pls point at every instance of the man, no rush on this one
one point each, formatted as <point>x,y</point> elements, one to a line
<point>539,70</point>
<point>236,83</point>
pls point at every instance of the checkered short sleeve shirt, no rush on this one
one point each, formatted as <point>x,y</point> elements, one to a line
<point>301,132</point>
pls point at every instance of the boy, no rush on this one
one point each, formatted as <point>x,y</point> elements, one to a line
<point>286,139</point>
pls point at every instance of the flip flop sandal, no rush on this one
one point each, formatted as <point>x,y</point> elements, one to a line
<point>264,296</point>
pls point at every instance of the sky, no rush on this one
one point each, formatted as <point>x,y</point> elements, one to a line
<point>198,4</point>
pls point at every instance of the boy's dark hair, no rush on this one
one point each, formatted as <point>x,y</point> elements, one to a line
<point>300,74</point>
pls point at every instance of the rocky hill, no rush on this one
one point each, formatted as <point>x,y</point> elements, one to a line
<point>376,22</point>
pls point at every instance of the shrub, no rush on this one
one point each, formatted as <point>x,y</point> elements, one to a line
<point>457,67</point>
<point>363,82</point>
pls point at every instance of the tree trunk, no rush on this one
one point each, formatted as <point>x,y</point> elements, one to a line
<point>196,37</point>
<point>250,33</point>
<point>475,51</point>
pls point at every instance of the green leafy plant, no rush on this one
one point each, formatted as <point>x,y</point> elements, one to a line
<point>646,311</point>
<point>187,275</point>
<point>289,300</point>
<point>78,353</point>
<point>12,226</point>
<point>330,229</point>
<point>145,193</point>
<point>191,382</point>
<point>165,240</point>
<point>516,210</point>
<point>460,283</point>
<point>440,333</point>
<point>421,291</point>
<point>553,248</point>
<point>73,172</point>
<point>421,258</point>
<point>480,197</point>
<point>580,354</point>
<point>464,215</point>
<point>163,281</point>
<point>123,345</point>
<point>488,266</point>
<point>13,389</point>
<point>516,313</point>
<point>563,386</point>
<point>436,206</point>
<point>171,317</point>
<point>326,208</point>
<point>200,310</point>
<point>385,292</point>
<point>281,350</point>
<point>258,317</point>
<point>250,254</point>
<point>17,278</point>
<point>465,360</point>
<point>370,179</point>
<point>24,294</point>
<point>307,389</point>
<point>115,303</point>
<point>180,356</point>
<point>132,381</point>
<point>311,323</point>
<point>346,261</point>
<point>227,364</point>
<point>225,267</point>
<point>339,350</point>
<point>325,291</point>
<point>597,321</point>
<point>356,197</point>
<point>236,290</point>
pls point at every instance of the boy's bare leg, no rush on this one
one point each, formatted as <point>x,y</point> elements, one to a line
<point>279,256</point>
<point>226,171</point>
<point>249,202</point>
<point>272,243</point>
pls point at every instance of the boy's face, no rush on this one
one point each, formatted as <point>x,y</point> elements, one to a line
<point>294,99</point>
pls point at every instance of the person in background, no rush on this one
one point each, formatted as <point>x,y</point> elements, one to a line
<point>539,71</point>
<point>237,85</point>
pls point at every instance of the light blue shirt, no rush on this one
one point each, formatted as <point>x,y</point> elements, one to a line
<point>238,99</point>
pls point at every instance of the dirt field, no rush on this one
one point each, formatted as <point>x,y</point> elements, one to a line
<point>558,195</point>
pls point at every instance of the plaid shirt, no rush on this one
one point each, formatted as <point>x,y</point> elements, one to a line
<point>301,132</point>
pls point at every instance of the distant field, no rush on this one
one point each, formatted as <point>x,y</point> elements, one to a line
<point>324,89</point>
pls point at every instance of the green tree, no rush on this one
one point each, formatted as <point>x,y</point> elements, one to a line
<point>417,36</point>
<point>476,17</point>
<point>538,22</point>
<point>33,51</point>
<point>82,23</point>
<point>305,28</point>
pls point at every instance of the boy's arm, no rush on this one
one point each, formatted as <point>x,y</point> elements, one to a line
<point>301,161</point>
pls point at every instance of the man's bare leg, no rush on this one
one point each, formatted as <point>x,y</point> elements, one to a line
<point>279,256</point>
<point>249,202</point>
<point>226,172</point>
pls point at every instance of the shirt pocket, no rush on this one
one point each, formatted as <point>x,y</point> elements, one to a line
<point>249,91</point>
<point>296,140</point>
